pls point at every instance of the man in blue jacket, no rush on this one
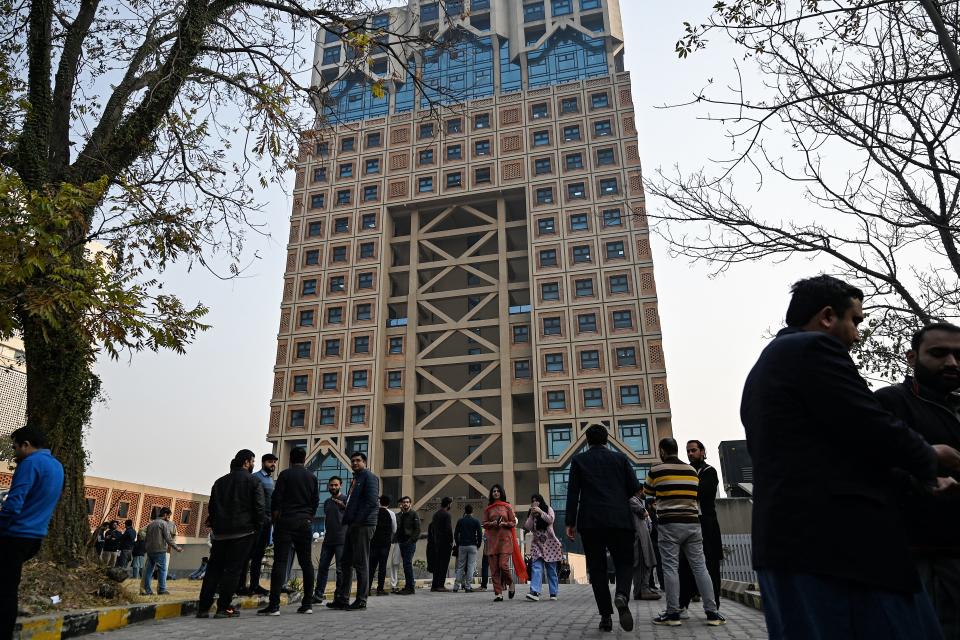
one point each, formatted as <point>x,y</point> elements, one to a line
<point>34,492</point>
<point>360,520</point>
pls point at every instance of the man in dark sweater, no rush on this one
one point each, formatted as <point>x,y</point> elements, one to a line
<point>441,539</point>
<point>254,564</point>
<point>296,499</point>
<point>380,544</point>
<point>928,403</point>
<point>332,548</point>
<point>827,548</point>
<point>408,532</point>
<point>467,536</point>
<point>235,515</point>
<point>709,526</point>
<point>360,519</point>
<point>127,542</point>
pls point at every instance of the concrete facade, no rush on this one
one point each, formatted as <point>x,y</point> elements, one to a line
<point>470,285</point>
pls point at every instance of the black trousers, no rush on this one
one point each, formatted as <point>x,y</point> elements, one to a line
<point>441,562</point>
<point>356,557</point>
<point>13,553</point>
<point>596,543</point>
<point>298,536</point>
<point>484,571</point>
<point>223,571</point>
<point>254,563</point>
<point>712,553</point>
<point>378,560</point>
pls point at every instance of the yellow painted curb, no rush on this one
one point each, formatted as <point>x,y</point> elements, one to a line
<point>48,629</point>
<point>112,619</point>
<point>171,610</point>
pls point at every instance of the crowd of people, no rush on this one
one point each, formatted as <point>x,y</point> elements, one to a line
<point>855,516</point>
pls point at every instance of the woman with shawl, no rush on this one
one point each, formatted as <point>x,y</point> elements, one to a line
<point>500,523</point>
<point>546,552</point>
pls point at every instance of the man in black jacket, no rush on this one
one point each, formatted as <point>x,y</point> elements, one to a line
<point>360,519</point>
<point>380,544</point>
<point>598,505</point>
<point>332,548</point>
<point>235,513</point>
<point>295,501</point>
<point>928,403</point>
<point>408,532</point>
<point>127,542</point>
<point>441,532</point>
<point>467,536</point>
<point>828,553</point>
<point>709,526</point>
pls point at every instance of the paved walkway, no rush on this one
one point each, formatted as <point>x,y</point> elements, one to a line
<point>451,616</point>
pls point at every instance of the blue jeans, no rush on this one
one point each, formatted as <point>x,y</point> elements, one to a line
<point>536,577</point>
<point>799,605</point>
<point>159,559</point>
<point>406,554</point>
<point>328,553</point>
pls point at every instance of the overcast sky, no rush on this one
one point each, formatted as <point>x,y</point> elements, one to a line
<point>175,421</point>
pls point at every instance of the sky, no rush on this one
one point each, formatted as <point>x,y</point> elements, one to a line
<point>175,421</point>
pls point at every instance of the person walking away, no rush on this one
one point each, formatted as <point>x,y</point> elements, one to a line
<point>673,484</point>
<point>296,498</point>
<point>644,557</point>
<point>158,539</point>
<point>928,403</point>
<point>254,564</point>
<point>235,515</point>
<point>111,545</point>
<point>811,421</point>
<point>468,536</point>
<point>598,506</point>
<point>442,532</point>
<point>500,522</point>
<point>707,487</point>
<point>139,554</point>
<point>333,537</point>
<point>380,544</point>
<point>127,541</point>
<point>25,515</point>
<point>360,520</point>
<point>408,532</point>
<point>546,552</point>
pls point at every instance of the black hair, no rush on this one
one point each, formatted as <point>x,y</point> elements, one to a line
<point>669,446</point>
<point>503,494</point>
<point>164,511</point>
<point>468,509</point>
<point>597,435</point>
<point>811,295</point>
<point>267,457</point>
<point>361,454</point>
<point>31,434</point>
<point>128,523</point>
<point>406,498</point>
<point>917,338</point>
<point>242,456</point>
<point>539,523</point>
<point>384,501</point>
<point>446,502</point>
<point>298,455</point>
<point>337,478</point>
<point>699,444</point>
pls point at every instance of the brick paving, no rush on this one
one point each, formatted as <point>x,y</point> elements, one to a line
<point>452,616</point>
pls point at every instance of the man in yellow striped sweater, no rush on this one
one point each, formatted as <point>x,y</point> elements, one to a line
<point>673,483</point>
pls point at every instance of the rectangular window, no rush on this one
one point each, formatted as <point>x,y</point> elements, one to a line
<point>364,311</point>
<point>586,5</point>
<point>331,348</point>
<point>635,435</point>
<point>576,191</point>
<point>581,254</point>
<point>394,379</point>
<point>336,284</point>
<point>521,369</point>
<point>343,196</point>
<point>630,394</point>
<point>574,161</point>
<point>600,100</point>
<point>425,185</point>
<point>335,315</point>
<point>592,398</point>
<point>542,166</point>
<point>481,121</point>
<point>612,218</point>
<point>454,152</point>
<point>454,125</point>
<point>359,380</point>
<point>548,258</point>
<point>368,221</point>
<point>619,284</point>
<point>553,362</point>
<point>609,187</point>
<point>579,222</point>
<point>558,441</point>
<point>541,138</point>
<point>374,140</point>
<point>571,133</point>
<point>556,400</point>
<point>303,349</point>
<point>123,509</point>
<point>533,12</point>
<point>626,357</point>
<point>590,359</point>
<point>521,333</point>
<point>622,320</point>
<point>331,55</point>
<point>372,166</point>
<point>562,7</point>
<point>426,156</point>
<point>569,105</point>
<point>361,344</point>
<point>602,128</point>
<point>316,201</point>
<point>550,291</point>
<point>426,130</point>
<point>306,319</point>
<point>348,144</point>
<point>546,226</point>
<point>309,287</point>
<point>551,327</point>
<point>396,345</point>
<point>454,180</point>
<point>327,415</point>
<point>539,110</point>
<point>482,175</point>
<point>428,13</point>
<point>312,257</point>
<point>339,254</point>
<point>314,229</point>
<point>615,250</point>
<point>366,250</point>
<point>320,174</point>
<point>346,170</point>
<point>300,384</point>
<point>584,288</point>
<point>481,148</point>
<point>587,323</point>
<point>370,193</point>
<point>322,148</point>
<point>298,417</point>
<point>358,414</point>
<point>545,195</point>
<point>533,34</point>
<point>605,157</point>
<point>365,280</point>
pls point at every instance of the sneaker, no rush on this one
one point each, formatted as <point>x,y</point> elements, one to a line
<point>668,619</point>
<point>356,605</point>
<point>715,619</point>
<point>146,593</point>
<point>468,590</point>
<point>553,598</point>
<point>456,588</point>
<point>337,604</point>
<point>269,611</point>
<point>649,595</point>
<point>229,612</point>
<point>318,599</point>
<point>305,608</point>
<point>684,614</point>
<point>163,593</point>
<point>203,614</point>
<point>623,609</point>
<point>498,598</point>
<point>535,597</point>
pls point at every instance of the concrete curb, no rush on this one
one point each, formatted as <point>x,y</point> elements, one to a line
<point>743,592</point>
<point>81,623</point>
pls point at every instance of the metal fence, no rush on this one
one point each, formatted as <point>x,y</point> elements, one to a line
<point>737,558</point>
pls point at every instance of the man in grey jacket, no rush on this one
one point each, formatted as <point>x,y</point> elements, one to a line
<point>159,538</point>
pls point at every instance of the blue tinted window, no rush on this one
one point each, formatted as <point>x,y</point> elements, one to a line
<point>480,5</point>
<point>558,441</point>
<point>574,161</point>
<point>602,128</point>
<point>562,7</point>
<point>369,193</point>
<point>589,4</point>
<point>533,11</point>
<point>482,148</point>
<point>373,166</point>
<point>425,185</point>
<point>426,156</point>
<point>612,218</point>
<point>608,187</point>
<point>542,166</point>
<point>545,195</point>
<point>429,12</point>
<point>346,170</point>
<point>592,398</point>
<point>382,21</point>
<point>454,152</point>
<point>600,100</point>
<point>541,138</point>
<point>331,55</point>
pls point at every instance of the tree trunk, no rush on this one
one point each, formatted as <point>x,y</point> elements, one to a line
<point>61,389</point>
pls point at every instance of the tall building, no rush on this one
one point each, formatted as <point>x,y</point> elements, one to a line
<point>469,281</point>
<point>13,386</point>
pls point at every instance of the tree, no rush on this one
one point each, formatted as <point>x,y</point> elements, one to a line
<point>866,94</point>
<point>113,132</point>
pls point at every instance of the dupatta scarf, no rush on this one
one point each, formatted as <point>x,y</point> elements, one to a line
<point>519,565</point>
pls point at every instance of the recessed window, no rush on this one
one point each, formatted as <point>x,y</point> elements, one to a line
<point>609,187</point>
<point>600,100</point>
<point>622,320</point>
<point>569,105</point>
<point>576,191</point>
<point>361,344</point>
<point>454,125</point>
<point>556,400</point>
<point>372,166</point>
<point>612,218</point>
<point>336,284</point>
<point>364,311</point>
<point>346,170</point>
<point>394,379</point>
<point>573,161</point>
<point>320,174</point>
<point>374,140</point>
<point>546,226</point>
<point>615,250</point>
<point>312,257</point>
<point>366,250</point>
<point>396,345</point>
<point>542,166</point>
<point>343,196</point>
<point>331,348</point>
<point>521,369</point>
<point>358,414</point>
<point>482,175</point>
<point>586,5</point>
<point>590,359</point>
<point>619,284</point>
<point>335,315</point>
<point>593,398</point>
<point>314,229</point>
<point>474,419</point>
<point>548,258</point>
<point>481,148</point>
<point>365,280</point>
<point>327,415</point>
<point>359,380</point>
<point>426,130</point>
<point>553,362</point>
<point>425,185</point>
<point>341,225</point>
<point>550,291</point>
<point>533,12</point>
<point>545,195</point>
<point>521,333</point>
<point>454,152</point>
<point>626,357</point>
<point>561,7</point>
<point>581,254</point>
<point>587,323</point>
<point>532,34</point>
<point>579,222</point>
<point>551,327</point>
<point>584,288</point>
<point>331,55</point>
<point>368,221</point>
<point>338,254</point>
<point>309,287</point>
<point>300,384</point>
<point>370,193</point>
<point>571,133</point>
<point>602,128</point>
<point>317,201</point>
<point>322,149</point>
<point>541,138</point>
<point>454,180</point>
<point>298,417</point>
<point>481,121</point>
<point>303,349</point>
<point>348,144</point>
<point>539,110</point>
<point>630,394</point>
<point>605,157</point>
<point>426,157</point>
<point>305,319</point>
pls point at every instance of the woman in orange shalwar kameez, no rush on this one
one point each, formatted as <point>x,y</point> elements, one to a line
<point>500,523</point>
